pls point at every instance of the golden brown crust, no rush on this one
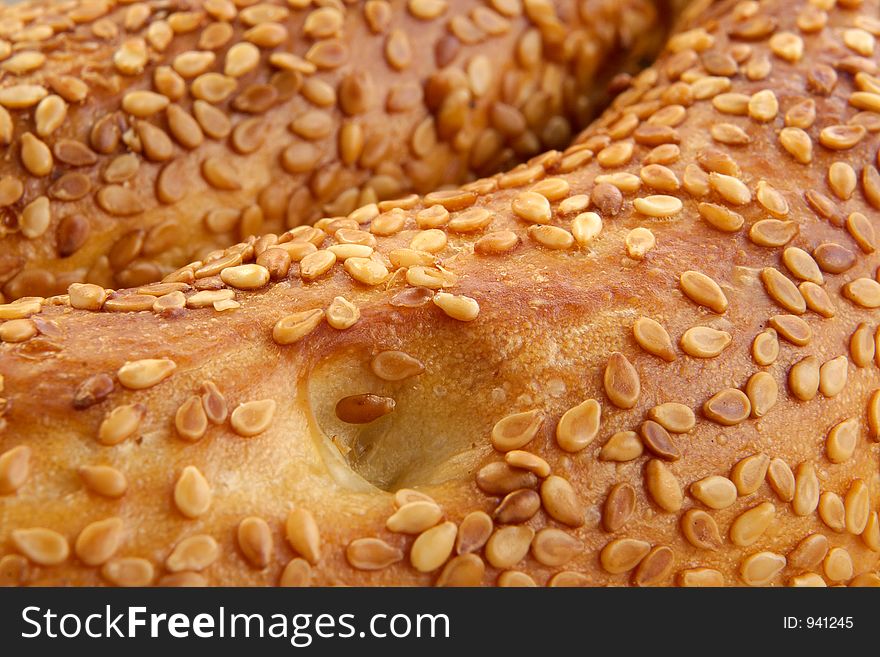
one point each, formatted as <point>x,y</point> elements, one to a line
<point>141,136</point>
<point>744,452</point>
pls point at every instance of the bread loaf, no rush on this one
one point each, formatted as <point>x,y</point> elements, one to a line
<point>649,359</point>
<point>140,136</point>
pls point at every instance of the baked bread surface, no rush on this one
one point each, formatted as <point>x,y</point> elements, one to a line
<point>679,388</point>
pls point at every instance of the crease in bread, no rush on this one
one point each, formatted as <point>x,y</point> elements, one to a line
<point>138,137</point>
<point>647,359</point>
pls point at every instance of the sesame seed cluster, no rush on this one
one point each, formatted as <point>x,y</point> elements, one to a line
<point>140,136</point>
<point>646,357</point>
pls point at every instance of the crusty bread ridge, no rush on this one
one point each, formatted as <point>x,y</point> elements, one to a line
<point>648,359</point>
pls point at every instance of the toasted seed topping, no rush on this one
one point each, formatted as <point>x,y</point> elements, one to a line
<point>194,553</point>
<point>622,446</point>
<point>781,479</point>
<point>362,409</point>
<point>433,547</point>
<point>658,205</point>
<point>191,421</point>
<point>406,495</point>
<point>838,565</point>
<point>192,493</point>
<point>831,510</point>
<point>297,573</point>
<point>459,307</point>
<point>527,461</point>
<point>861,230</point>
<point>750,525</point>
<point>817,299</point>
<point>561,502</point>
<point>762,392</point>
<point>864,292</point>
<point>655,567</point>
<point>806,490</point>
<point>255,541</point>
<point>214,403</point>
<point>414,517</point>
<point>104,480</point>
<point>728,407</point>
<point>507,546</point>
<point>140,374</point>
<point>303,535</point>
<point>832,376</point>
<point>857,505</point>
<point>673,417</point>
<point>748,474</point>
<point>623,554</point>
<point>704,291</point>
<point>783,291</point>
<point>714,491</point>
<point>619,506</point>
<point>14,469</point>
<point>579,426</point>
<point>372,554</point>
<point>871,533</point>
<point>761,568</point>
<point>653,338</point>
<point>809,552</point>
<point>803,378</point>
<point>98,541</point>
<point>621,380</point>
<point>473,532</point>
<point>516,431</point>
<point>463,570</point>
<point>663,486</point>
<point>704,341</point>
<point>515,578</point>
<point>639,242</point>
<point>658,441</point>
<point>720,217</point>
<point>554,547</point>
<point>253,417</point>
<point>41,546</point>
<point>121,423</point>
<point>697,577</point>
<point>395,366</point>
<point>585,227</point>
<point>293,328</point>
<point>792,328</point>
<point>128,571</point>
<point>840,444</point>
<point>532,207</point>
<point>245,277</point>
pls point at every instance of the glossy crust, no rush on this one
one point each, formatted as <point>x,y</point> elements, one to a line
<point>138,137</point>
<point>531,330</point>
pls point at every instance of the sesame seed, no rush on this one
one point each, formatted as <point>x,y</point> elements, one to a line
<point>806,491</point>
<point>761,568</point>
<point>99,541</point>
<point>41,546</point>
<point>121,423</point>
<point>14,468</point>
<point>372,554</point>
<point>104,480</point>
<point>194,553</point>
<point>623,554</point>
<point>303,534</point>
<point>579,426</point>
<point>363,409</point>
<point>433,547</point>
